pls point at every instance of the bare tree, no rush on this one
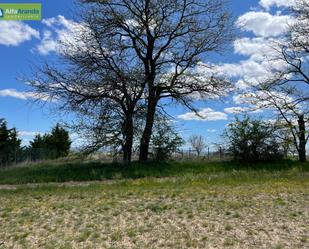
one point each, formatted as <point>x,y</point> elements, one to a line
<point>127,51</point>
<point>286,88</point>
<point>291,54</point>
<point>169,39</point>
<point>100,79</point>
<point>198,143</point>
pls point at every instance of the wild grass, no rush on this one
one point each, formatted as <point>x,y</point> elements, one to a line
<point>95,171</point>
<point>174,205</point>
<point>159,213</point>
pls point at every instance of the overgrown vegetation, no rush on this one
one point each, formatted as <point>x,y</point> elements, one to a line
<point>253,140</point>
<point>74,170</point>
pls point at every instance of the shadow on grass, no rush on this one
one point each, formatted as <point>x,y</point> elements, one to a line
<point>92,171</point>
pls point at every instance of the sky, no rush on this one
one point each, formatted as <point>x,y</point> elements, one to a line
<point>27,43</point>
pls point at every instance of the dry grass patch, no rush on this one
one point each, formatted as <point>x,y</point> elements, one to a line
<point>191,213</point>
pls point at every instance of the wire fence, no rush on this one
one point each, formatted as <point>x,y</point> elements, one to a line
<point>180,155</point>
<point>28,156</point>
<point>205,155</point>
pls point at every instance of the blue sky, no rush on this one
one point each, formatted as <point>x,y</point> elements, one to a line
<point>28,42</point>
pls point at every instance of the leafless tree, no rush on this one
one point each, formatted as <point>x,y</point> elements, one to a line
<point>286,88</point>
<point>198,143</point>
<point>169,39</point>
<point>96,78</point>
<point>128,51</point>
<point>291,55</point>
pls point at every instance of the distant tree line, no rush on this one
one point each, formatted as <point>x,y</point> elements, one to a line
<point>51,145</point>
<point>10,144</point>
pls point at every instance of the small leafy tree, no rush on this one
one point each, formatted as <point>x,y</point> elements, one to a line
<point>59,141</point>
<point>252,140</point>
<point>165,140</point>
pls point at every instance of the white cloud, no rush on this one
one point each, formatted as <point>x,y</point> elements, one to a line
<point>58,30</point>
<point>263,23</point>
<point>206,114</point>
<point>22,95</point>
<point>279,3</point>
<point>28,133</point>
<point>235,110</point>
<point>240,109</point>
<point>248,72</point>
<point>13,33</point>
<point>48,44</point>
<point>259,64</point>
<point>262,99</point>
<point>257,48</point>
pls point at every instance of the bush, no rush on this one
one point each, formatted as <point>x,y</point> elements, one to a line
<point>165,141</point>
<point>252,141</point>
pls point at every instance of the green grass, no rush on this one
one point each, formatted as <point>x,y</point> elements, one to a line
<point>94,171</point>
<point>248,209</point>
<point>171,205</point>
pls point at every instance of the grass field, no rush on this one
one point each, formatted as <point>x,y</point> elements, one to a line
<point>175,205</point>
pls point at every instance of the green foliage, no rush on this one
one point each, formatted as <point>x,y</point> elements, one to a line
<point>60,141</point>
<point>252,140</point>
<point>50,146</point>
<point>9,144</point>
<point>165,141</point>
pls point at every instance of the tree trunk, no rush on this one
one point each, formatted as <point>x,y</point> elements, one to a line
<point>128,133</point>
<point>302,139</point>
<point>145,140</point>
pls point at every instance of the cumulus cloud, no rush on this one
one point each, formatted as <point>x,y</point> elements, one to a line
<point>14,33</point>
<point>22,95</point>
<point>279,3</point>
<point>206,114</point>
<point>257,48</point>
<point>261,56</point>
<point>262,99</point>
<point>48,43</point>
<point>58,30</point>
<point>264,24</point>
<point>240,109</point>
<point>260,63</point>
